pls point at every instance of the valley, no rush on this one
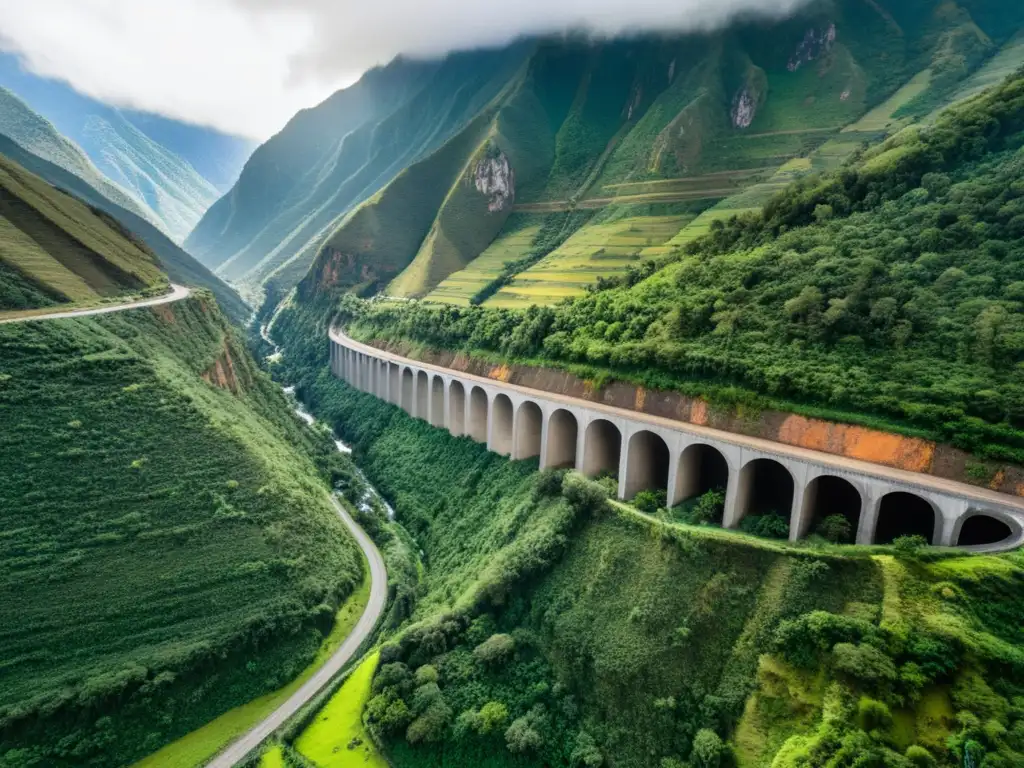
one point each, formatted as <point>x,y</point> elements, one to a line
<point>648,400</point>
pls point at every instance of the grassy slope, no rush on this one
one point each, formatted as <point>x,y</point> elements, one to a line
<point>168,549</point>
<point>61,246</point>
<point>37,135</point>
<point>630,635</point>
<point>202,744</point>
<point>180,266</point>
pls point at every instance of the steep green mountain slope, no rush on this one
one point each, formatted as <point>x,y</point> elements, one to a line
<point>554,628</point>
<point>331,157</point>
<point>54,249</point>
<point>37,135</point>
<point>169,186</point>
<point>888,293</point>
<point>668,126</point>
<point>178,264</point>
<point>168,550</point>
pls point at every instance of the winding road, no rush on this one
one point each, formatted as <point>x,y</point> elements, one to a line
<point>178,292</point>
<point>363,629</point>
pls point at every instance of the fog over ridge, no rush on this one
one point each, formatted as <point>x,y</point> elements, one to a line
<point>246,66</point>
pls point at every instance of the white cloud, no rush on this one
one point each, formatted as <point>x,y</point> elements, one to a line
<point>246,66</point>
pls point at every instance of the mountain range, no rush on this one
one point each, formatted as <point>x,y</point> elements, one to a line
<point>174,171</point>
<point>418,170</point>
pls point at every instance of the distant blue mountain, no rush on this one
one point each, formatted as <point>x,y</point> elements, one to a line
<point>215,156</point>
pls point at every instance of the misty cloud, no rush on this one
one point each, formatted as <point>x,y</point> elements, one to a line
<point>246,66</point>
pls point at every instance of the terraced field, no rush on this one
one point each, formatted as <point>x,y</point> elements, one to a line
<point>597,250</point>
<point>460,287</point>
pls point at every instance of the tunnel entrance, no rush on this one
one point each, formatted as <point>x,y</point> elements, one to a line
<point>422,395</point>
<point>602,447</point>
<point>437,401</point>
<point>563,434</point>
<point>395,384</point>
<point>529,422</point>
<point>904,514</point>
<point>978,530</point>
<point>478,415</point>
<point>701,469</point>
<point>826,497</point>
<point>501,428</point>
<point>646,464</point>
<point>456,408</point>
<point>407,391</point>
<point>765,493</point>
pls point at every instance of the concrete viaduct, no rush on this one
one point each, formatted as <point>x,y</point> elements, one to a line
<point>683,460</point>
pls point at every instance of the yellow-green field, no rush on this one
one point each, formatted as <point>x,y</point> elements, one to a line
<point>596,250</point>
<point>459,287</point>
<point>24,254</point>
<point>273,758</point>
<point>881,117</point>
<point>337,739</point>
<point>199,746</point>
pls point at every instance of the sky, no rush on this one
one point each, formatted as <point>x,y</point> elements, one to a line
<point>246,66</point>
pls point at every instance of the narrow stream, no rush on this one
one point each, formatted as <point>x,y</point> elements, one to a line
<point>366,503</point>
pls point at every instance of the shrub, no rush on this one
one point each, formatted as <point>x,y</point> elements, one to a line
<point>585,753</point>
<point>864,662</point>
<point>707,749</point>
<point>522,737</point>
<point>650,502</point>
<point>770,525</point>
<point>429,726</point>
<point>426,674</point>
<point>495,649</point>
<point>584,495</point>
<point>873,714</point>
<point>493,716</point>
<point>909,546</point>
<point>919,757</point>
<point>710,507</point>
<point>835,528</point>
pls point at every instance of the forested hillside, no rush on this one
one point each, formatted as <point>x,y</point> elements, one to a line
<point>178,264</point>
<point>553,627</point>
<point>55,249</point>
<point>168,548</point>
<point>888,293</point>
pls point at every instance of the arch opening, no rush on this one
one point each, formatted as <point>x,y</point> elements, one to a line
<point>501,425</point>
<point>563,435</point>
<point>979,530</point>
<point>904,514</point>
<point>602,449</point>
<point>437,401</point>
<point>456,408</point>
<point>529,423</point>
<point>702,468</point>
<point>831,509</point>
<point>422,396</point>
<point>646,465</point>
<point>407,391</point>
<point>765,498</point>
<point>478,416</point>
<point>395,384</point>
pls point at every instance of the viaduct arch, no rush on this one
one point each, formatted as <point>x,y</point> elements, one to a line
<point>683,460</point>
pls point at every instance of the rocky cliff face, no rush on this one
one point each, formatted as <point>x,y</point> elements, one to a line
<point>495,179</point>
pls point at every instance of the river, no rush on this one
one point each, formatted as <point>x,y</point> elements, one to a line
<point>365,504</point>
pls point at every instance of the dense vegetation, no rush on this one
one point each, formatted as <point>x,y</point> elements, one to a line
<point>168,551</point>
<point>890,292</point>
<point>555,629</point>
